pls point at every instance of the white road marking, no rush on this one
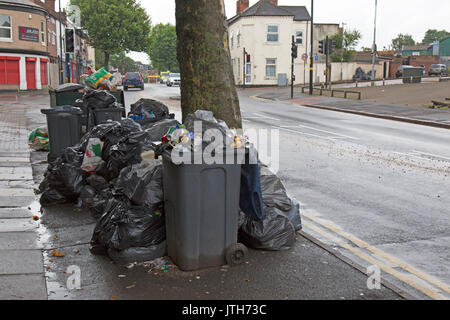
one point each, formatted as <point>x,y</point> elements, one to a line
<point>320,130</point>
<point>264,116</point>
<point>304,133</point>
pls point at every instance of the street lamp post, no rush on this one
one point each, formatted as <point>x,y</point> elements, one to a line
<point>374,47</point>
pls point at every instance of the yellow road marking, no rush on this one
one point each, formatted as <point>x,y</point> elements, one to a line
<point>362,244</point>
<point>432,294</point>
<point>260,99</point>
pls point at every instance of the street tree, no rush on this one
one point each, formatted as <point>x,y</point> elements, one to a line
<point>402,40</point>
<point>346,43</point>
<point>434,35</point>
<point>163,48</point>
<point>207,80</point>
<point>115,26</point>
<point>123,63</point>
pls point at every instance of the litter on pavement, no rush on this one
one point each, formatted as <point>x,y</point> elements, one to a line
<point>106,173</point>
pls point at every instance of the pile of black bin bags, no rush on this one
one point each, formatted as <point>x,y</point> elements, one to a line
<point>125,194</point>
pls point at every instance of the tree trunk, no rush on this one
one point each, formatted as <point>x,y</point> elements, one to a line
<point>106,60</point>
<point>207,81</point>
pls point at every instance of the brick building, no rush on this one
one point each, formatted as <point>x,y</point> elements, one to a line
<point>24,57</point>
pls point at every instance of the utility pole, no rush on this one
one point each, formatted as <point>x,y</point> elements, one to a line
<point>327,52</point>
<point>311,68</point>
<point>342,49</point>
<point>374,47</point>
<point>245,65</point>
<point>61,70</point>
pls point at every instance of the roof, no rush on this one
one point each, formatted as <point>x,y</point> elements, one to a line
<point>25,3</point>
<point>416,48</point>
<point>268,9</point>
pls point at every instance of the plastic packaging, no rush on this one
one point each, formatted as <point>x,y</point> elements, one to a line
<point>92,156</point>
<point>138,254</point>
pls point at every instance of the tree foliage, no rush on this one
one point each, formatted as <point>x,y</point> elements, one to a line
<point>345,45</point>
<point>434,35</point>
<point>163,48</point>
<point>115,26</point>
<point>123,63</point>
<point>402,40</point>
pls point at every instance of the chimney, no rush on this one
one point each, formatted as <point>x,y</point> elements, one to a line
<point>50,4</point>
<point>274,2</point>
<point>241,5</point>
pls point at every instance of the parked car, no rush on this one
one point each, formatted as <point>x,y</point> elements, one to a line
<point>173,80</point>
<point>438,70</point>
<point>133,80</point>
<point>163,77</point>
<point>400,69</point>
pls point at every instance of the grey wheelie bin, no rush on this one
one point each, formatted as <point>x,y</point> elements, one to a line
<point>64,128</point>
<point>107,114</point>
<point>201,204</point>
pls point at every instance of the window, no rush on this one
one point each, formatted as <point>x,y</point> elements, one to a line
<point>232,40</point>
<point>5,27</point>
<point>42,32</point>
<point>272,33</point>
<point>271,68</point>
<point>299,37</point>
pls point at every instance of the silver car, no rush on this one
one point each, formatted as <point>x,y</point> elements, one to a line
<point>438,70</point>
<point>174,79</point>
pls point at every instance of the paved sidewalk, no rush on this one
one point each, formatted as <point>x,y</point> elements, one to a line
<point>308,271</point>
<point>417,115</point>
<point>21,264</point>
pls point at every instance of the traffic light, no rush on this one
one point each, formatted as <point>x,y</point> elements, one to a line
<point>70,41</point>
<point>332,46</point>
<point>322,46</point>
<point>294,50</point>
<point>248,58</point>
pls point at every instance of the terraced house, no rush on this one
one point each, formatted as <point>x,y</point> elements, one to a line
<point>265,31</point>
<point>23,46</point>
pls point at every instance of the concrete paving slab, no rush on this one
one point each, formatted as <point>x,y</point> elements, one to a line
<point>15,213</point>
<point>21,160</point>
<point>19,241</point>
<point>16,173</point>
<point>16,201</point>
<point>23,287</point>
<point>18,225</point>
<point>21,262</point>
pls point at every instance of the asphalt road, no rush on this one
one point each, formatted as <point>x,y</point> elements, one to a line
<point>375,190</point>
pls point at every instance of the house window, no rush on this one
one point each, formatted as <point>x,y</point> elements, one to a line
<point>5,27</point>
<point>42,32</point>
<point>232,41</point>
<point>299,37</point>
<point>271,68</point>
<point>272,33</point>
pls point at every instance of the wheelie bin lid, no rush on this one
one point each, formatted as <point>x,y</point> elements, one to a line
<point>63,109</point>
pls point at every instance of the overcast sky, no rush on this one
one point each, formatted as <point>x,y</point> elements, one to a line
<point>394,16</point>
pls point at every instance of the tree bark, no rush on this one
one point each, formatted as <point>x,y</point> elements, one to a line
<point>106,60</point>
<point>207,81</point>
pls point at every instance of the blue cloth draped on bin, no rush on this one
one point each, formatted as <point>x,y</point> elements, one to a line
<point>251,201</point>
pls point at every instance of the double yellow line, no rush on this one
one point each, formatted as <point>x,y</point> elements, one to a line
<point>415,279</point>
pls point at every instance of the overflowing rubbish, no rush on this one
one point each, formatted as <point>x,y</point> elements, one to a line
<point>281,221</point>
<point>114,171</point>
<point>38,140</point>
<point>97,77</point>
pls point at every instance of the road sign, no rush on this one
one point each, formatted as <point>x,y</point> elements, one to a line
<point>316,58</point>
<point>304,57</point>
